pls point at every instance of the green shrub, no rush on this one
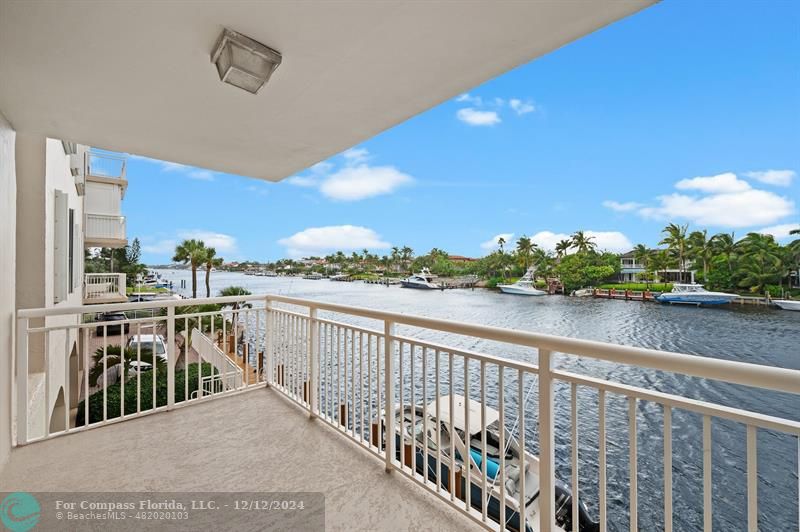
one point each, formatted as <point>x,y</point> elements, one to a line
<point>114,393</point>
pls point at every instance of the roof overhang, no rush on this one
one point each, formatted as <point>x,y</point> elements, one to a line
<point>137,76</point>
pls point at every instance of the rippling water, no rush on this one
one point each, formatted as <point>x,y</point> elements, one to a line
<point>749,334</point>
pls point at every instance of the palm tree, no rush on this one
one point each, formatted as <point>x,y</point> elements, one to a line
<point>677,243</point>
<point>501,242</point>
<point>212,261</point>
<point>583,243</point>
<point>725,244</point>
<point>524,249</point>
<point>192,252</point>
<point>113,356</point>
<point>762,262</point>
<point>700,247</point>
<point>562,247</point>
<point>659,263</point>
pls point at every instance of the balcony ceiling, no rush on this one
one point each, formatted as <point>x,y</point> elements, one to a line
<point>136,76</point>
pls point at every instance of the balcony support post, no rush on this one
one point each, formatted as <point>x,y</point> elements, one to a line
<point>546,443</point>
<point>171,357</point>
<point>388,380</point>
<point>313,363</point>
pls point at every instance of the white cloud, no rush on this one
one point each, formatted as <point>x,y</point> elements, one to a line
<point>473,117</point>
<point>622,207</point>
<point>467,97</point>
<point>491,244</point>
<point>605,240</point>
<point>221,242</point>
<point>780,232</point>
<point>718,184</point>
<point>302,181</point>
<point>781,178</point>
<point>738,209</point>
<point>521,107</point>
<point>356,155</point>
<point>360,182</point>
<point>191,172</point>
<point>160,247</point>
<point>319,240</point>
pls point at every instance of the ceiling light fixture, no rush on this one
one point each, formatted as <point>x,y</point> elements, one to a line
<point>243,62</point>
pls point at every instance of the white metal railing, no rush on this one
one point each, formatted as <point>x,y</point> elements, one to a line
<point>106,165</point>
<point>100,286</point>
<point>104,227</point>
<point>346,365</point>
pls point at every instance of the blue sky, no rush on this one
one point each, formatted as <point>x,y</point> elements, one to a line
<point>686,112</point>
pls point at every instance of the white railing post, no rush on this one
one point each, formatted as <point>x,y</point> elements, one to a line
<point>170,357</point>
<point>388,380</point>
<point>546,444</point>
<point>269,331</point>
<point>313,363</point>
<point>22,381</point>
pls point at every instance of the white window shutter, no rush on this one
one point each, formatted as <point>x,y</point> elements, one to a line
<point>60,247</point>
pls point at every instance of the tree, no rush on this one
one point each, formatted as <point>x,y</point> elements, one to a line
<point>113,357</point>
<point>677,243</point>
<point>501,242</point>
<point>211,261</point>
<point>562,247</point>
<point>659,262</point>
<point>761,262</point>
<point>235,291</point>
<point>701,248</point>
<point>582,242</point>
<point>524,250</point>
<point>724,244</point>
<point>192,252</point>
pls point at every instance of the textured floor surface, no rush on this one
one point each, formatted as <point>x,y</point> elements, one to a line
<point>255,441</point>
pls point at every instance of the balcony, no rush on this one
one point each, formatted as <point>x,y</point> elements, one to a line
<point>106,168</point>
<point>611,443</point>
<point>104,288</point>
<point>104,230</point>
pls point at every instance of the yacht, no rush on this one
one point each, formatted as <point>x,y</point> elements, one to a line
<point>787,304</point>
<point>423,280</point>
<point>413,428</point>
<point>695,294</point>
<point>525,286</point>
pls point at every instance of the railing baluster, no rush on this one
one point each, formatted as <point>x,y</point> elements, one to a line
<point>401,392</point>
<point>86,379</point>
<point>752,479</point>
<point>439,483</point>
<point>452,457</point>
<point>501,410</point>
<point>105,372</point>
<point>467,449</point>
<point>153,359</point>
<point>388,332</point>
<point>351,414</point>
<point>633,470</point>
<point>369,386</point>
<point>547,496</point>
<point>601,443</point>
<point>425,462</point>
<point>361,386</point>
<point>411,355</point>
<point>484,465</point>
<point>667,468</point>
<point>521,481</point>
<point>269,338</point>
<point>138,372</point>
<point>707,486</point>
<point>171,355</point>
<point>186,359</point>
<point>67,384</point>
<point>575,473</point>
<point>313,362</point>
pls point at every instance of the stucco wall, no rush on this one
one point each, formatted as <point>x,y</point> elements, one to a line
<point>8,212</point>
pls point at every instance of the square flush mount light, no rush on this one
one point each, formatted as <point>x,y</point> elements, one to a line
<point>243,62</point>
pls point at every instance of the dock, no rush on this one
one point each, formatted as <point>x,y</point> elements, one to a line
<point>626,295</point>
<point>467,281</point>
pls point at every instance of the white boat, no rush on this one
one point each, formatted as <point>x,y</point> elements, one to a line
<point>314,276</point>
<point>412,428</point>
<point>525,286</point>
<point>695,294</point>
<point>422,280</point>
<point>583,292</point>
<point>787,304</point>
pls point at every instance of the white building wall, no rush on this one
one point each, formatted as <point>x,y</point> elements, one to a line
<point>8,211</point>
<point>103,198</point>
<point>43,169</point>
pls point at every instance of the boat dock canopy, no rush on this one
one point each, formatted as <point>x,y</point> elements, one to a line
<point>458,415</point>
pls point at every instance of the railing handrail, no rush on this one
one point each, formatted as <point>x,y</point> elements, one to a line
<point>107,216</point>
<point>104,274</point>
<point>760,376</point>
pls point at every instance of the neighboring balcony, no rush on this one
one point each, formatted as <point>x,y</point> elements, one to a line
<point>104,288</point>
<point>104,230</point>
<point>107,168</point>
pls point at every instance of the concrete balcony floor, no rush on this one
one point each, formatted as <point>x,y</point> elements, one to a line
<point>254,441</point>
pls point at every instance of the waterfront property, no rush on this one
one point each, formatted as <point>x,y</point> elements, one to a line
<point>223,405</point>
<point>631,270</point>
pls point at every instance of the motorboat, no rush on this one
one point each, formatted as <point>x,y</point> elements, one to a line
<point>787,304</point>
<point>508,468</point>
<point>695,294</point>
<point>525,286</point>
<point>314,276</point>
<point>583,292</point>
<point>422,280</point>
